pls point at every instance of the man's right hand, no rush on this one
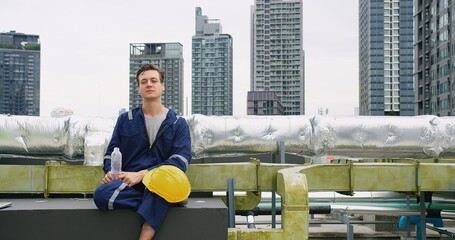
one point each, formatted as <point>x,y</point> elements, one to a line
<point>107,178</point>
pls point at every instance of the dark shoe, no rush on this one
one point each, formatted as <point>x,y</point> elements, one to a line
<point>182,203</point>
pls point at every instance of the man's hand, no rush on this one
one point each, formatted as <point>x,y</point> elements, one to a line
<point>132,178</point>
<point>107,178</point>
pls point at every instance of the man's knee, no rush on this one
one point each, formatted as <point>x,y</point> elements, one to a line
<point>99,197</point>
<point>103,193</point>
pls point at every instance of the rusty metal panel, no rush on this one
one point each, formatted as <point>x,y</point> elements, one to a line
<point>328,177</point>
<point>254,234</point>
<point>384,177</point>
<point>437,177</point>
<point>267,175</point>
<point>213,177</point>
<point>73,179</point>
<point>22,178</point>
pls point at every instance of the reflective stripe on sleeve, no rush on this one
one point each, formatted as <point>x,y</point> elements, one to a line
<point>130,115</point>
<point>184,160</point>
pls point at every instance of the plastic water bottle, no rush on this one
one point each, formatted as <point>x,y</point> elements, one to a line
<point>116,162</point>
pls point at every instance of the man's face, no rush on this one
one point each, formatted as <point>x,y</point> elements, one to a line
<point>150,86</point>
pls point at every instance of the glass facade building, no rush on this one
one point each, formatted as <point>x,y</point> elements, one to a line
<point>20,74</point>
<point>386,59</point>
<point>435,57</point>
<point>169,57</point>
<point>277,56</point>
<point>212,89</point>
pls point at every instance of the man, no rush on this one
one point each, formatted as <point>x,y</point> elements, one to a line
<point>148,137</point>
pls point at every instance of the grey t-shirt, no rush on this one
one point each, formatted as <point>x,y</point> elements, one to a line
<point>153,125</point>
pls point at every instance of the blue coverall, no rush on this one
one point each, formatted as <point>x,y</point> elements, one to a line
<point>171,147</point>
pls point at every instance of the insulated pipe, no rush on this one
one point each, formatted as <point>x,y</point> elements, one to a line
<point>220,136</point>
<point>398,209</point>
<point>250,220</point>
<point>442,231</point>
<point>267,210</point>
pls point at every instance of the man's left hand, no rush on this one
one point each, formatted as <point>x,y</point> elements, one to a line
<point>132,178</point>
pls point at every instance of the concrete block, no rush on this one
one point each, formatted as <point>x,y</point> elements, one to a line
<point>74,219</point>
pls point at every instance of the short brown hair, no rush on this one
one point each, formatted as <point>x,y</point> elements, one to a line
<point>148,67</point>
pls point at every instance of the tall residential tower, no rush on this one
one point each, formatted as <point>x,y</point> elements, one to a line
<point>386,58</point>
<point>277,56</point>
<point>169,57</point>
<point>435,57</point>
<point>19,74</point>
<point>212,87</point>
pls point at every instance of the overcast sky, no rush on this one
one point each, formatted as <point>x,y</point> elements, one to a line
<point>85,48</point>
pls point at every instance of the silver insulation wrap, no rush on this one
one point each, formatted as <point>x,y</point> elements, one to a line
<point>76,137</point>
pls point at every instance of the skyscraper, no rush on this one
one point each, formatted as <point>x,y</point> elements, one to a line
<point>169,57</point>
<point>19,74</point>
<point>263,103</point>
<point>277,56</point>
<point>211,68</point>
<point>386,58</point>
<point>434,65</point>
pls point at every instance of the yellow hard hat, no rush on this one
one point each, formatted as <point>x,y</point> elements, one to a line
<point>169,182</point>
